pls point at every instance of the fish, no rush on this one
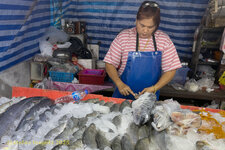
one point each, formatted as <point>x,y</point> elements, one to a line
<point>117,120</point>
<point>39,147</point>
<point>44,103</point>
<point>142,108</point>
<point>203,145</point>
<point>101,141</point>
<point>60,147</point>
<point>93,114</point>
<point>133,132</point>
<point>78,144</point>
<point>89,135</point>
<point>116,144</point>
<point>108,104</point>
<point>11,118</point>
<point>6,105</point>
<point>115,108</point>
<point>143,132</point>
<point>82,122</point>
<point>55,131</point>
<point>124,104</point>
<point>143,144</point>
<point>92,100</point>
<point>126,142</point>
<point>77,134</point>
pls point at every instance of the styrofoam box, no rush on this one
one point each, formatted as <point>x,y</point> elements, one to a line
<point>88,63</point>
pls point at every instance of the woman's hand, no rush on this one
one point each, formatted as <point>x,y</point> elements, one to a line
<point>124,89</point>
<point>151,89</point>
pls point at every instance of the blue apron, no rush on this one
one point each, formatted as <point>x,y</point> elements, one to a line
<point>143,69</point>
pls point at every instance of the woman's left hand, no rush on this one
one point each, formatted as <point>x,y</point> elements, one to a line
<point>149,89</point>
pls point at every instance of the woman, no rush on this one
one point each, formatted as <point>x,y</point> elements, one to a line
<point>139,54</point>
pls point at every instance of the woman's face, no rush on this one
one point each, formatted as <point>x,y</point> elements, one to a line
<point>145,27</point>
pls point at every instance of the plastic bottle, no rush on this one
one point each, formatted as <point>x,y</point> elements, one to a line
<point>75,96</point>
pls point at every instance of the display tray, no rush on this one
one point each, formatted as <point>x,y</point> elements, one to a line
<point>54,94</point>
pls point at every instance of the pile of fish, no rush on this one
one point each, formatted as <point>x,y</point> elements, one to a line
<point>39,124</point>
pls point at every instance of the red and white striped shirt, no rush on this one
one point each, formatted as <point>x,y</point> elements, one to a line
<point>126,42</point>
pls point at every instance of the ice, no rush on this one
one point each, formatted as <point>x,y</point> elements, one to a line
<point>101,109</point>
<point>178,142</point>
<point>4,100</point>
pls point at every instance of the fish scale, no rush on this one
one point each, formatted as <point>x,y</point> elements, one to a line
<point>12,116</point>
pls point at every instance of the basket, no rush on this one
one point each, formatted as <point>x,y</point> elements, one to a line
<point>61,76</point>
<point>92,76</point>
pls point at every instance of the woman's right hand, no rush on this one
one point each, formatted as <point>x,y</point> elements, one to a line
<point>124,89</point>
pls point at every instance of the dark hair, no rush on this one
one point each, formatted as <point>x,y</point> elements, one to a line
<point>149,9</point>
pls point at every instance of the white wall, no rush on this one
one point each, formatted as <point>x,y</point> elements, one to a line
<point>18,75</point>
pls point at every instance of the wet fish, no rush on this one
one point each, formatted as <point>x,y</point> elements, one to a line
<point>203,145</point>
<point>115,108</point>
<point>40,147</point>
<point>93,114</point>
<point>68,130</point>
<point>117,120</point>
<point>78,144</point>
<point>142,108</point>
<point>133,132</point>
<point>126,142</point>
<point>92,100</point>
<point>82,122</point>
<point>116,145</point>
<point>101,140</point>
<point>124,104</point>
<point>44,103</point>
<point>13,115</point>
<point>143,144</point>
<point>55,131</point>
<point>108,104</point>
<point>143,132</point>
<point>60,147</point>
<point>89,136</point>
<point>3,107</point>
<point>77,134</point>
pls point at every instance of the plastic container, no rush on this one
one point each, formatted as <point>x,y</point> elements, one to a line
<point>92,76</point>
<point>180,76</point>
<point>61,76</point>
<point>75,96</point>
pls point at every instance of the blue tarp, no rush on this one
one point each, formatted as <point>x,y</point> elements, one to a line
<point>23,22</point>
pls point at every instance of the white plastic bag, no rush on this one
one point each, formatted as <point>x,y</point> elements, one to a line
<point>46,48</point>
<point>142,108</point>
<point>191,85</point>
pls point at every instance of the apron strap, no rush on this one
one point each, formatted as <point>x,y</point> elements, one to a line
<point>137,42</point>
<point>154,42</point>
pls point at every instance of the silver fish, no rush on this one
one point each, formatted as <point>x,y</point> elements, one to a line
<point>89,136</point>
<point>13,115</point>
<point>102,142</point>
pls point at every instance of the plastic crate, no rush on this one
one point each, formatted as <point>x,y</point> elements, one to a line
<point>61,76</point>
<point>92,76</point>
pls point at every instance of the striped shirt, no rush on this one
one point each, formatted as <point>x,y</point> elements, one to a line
<point>126,42</point>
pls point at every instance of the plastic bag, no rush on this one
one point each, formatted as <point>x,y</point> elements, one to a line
<point>46,48</point>
<point>183,121</point>
<point>162,112</point>
<point>191,85</point>
<point>206,82</point>
<point>54,36</point>
<point>142,108</point>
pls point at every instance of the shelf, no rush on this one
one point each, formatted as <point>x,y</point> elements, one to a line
<point>208,63</point>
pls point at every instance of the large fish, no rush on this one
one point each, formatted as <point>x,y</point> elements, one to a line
<point>142,108</point>
<point>30,116</point>
<point>13,115</point>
